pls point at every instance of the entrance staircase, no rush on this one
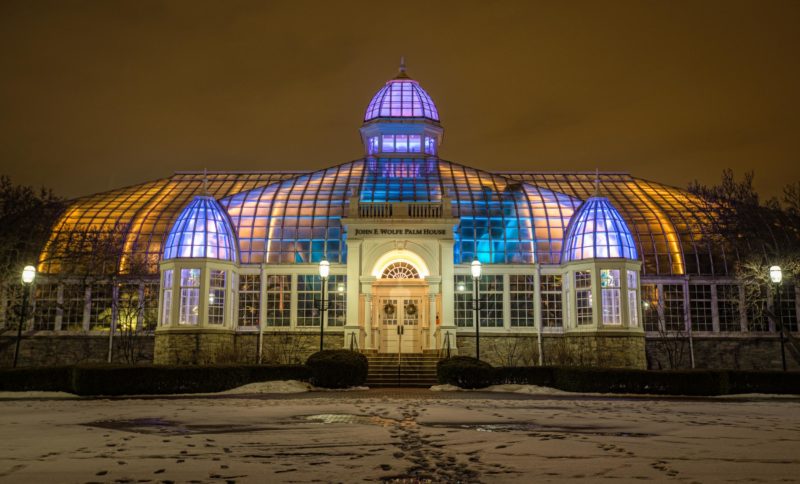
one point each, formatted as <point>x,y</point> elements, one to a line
<point>409,370</point>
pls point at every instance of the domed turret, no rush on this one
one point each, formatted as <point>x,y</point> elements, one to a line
<point>597,231</point>
<point>401,120</point>
<point>202,230</point>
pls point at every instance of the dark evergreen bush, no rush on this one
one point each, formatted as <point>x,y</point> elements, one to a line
<point>43,379</point>
<point>338,368</point>
<point>145,380</point>
<point>465,372</point>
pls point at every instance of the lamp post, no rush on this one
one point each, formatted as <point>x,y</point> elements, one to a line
<point>324,271</point>
<point>776,276</point>
<point>476,276</point>
<point>28,275</point>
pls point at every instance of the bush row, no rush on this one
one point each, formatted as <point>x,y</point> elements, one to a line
<point>469,374</point>
<point>144,380</point>
<point>329,369</point>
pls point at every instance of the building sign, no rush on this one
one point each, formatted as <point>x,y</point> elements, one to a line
<point>400,232</point>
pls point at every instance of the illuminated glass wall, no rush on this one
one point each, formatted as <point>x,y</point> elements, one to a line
<point>598,231</point>
<point>201,231</point>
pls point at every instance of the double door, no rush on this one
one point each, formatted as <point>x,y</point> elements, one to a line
<point>400,318</point>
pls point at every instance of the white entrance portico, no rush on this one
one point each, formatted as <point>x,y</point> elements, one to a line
<point>402,256</point>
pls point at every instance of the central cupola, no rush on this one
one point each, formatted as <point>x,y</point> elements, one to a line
<point>401,120</point>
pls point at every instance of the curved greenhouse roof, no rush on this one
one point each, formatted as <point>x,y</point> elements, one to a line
<point>201,231</point>
<point>293,217</point>
<point>401,98</point>
<point>597,231</point>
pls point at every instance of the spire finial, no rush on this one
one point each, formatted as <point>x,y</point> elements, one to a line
<point>402,64</point>
<point>596,182</point>
<point>205,181</point>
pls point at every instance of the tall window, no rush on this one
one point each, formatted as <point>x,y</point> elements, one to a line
<point>101,306</point>
<point>74,304</point>
<point>633,300</point>
<point>583,297</point>
<point>190,296</point>
<point>430,145</point>
<point>756,312</point>
<point>650,304</point>
<point>461,303</point>
<point>550,290</point>
<point>216,297</point>
<point>521,295</point>
<point>249,299</point>
<point>373,145</point>
<point>491,300</point>
<point>728,307</point>
<point>674,309</point>
<point>150,311</point>
<point>46,307</point>
<point>166,309</point>
<point>788,309</point>
<point>130,306</point>
<point>278,304</point>
<point>308,299</point>
<point>610,286</point>
<point>700,307</point>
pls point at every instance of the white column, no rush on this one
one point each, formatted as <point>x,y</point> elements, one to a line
<point>368,321</point>
<point>431,344</point>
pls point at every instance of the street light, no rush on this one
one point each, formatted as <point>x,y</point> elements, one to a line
<point>776,276</point>
<point>476,275</point>
<point>28,275</point>
<point>324,272</point>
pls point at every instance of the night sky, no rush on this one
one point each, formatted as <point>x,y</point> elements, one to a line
<point>96,95</point>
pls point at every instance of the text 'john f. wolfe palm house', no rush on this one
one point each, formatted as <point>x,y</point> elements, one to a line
<point>581,267</point>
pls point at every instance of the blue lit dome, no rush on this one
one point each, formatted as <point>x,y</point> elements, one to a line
<point>597,230</point>
<point>402,97</point>
<point>202,230</point>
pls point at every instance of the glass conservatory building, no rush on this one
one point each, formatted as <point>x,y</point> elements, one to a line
<point>591,263</point>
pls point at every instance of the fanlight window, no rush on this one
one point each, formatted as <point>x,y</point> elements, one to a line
<point>400,270</point>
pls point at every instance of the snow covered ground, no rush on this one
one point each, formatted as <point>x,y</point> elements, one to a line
<point>381,435</point>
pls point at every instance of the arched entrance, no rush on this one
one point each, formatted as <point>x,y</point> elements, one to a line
<point>400,309</point>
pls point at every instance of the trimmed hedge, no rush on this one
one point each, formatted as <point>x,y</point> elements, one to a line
<point>338,368</point>
<point>145,380</point>
<point>465,372</point>
<point>616,380</point>
<point>44,379</point>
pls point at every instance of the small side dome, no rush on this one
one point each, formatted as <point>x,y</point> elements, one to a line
<point>597,230</point>
<point>202,230</point>
<point>402,97</point>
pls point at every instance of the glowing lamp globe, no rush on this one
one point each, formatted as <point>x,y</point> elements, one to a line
<point>775,274</point>
<point>324,268</point>
<point>28,274</point>
<point>476,269</point>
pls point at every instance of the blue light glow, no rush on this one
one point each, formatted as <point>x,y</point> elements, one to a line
<point>597,230</point>
<point>201,231</point>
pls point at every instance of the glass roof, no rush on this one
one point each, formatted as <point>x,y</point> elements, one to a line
<point>401,98</point>
<point>598,231</point>
<point>299,220</point>
<point>201,231</point>
<point>670,227</point>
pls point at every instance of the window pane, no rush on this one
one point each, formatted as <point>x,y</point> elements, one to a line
<point>249,299</point>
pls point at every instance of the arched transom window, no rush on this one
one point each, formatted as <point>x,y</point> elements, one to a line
<point>400,270</point>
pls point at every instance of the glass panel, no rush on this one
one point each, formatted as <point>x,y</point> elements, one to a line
<point>216,297</point>
<point>700,307</point>
<point>583,297</point>
<point>249,299</point>
<point>279,296</point>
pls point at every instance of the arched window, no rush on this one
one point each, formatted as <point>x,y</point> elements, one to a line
<point>400,270</point>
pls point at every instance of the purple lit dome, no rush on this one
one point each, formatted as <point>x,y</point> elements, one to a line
<point>401,97</point>
<point>597,231</point>
<point>202,230</point>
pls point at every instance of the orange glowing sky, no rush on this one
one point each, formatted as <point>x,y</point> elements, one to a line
<point>96,95</point>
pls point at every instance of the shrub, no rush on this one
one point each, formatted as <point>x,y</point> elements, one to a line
<point>337,368</point>
<point>524,375</point>
<point>156,380</point>
<point>465,372</point>
<point>44,379</point>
